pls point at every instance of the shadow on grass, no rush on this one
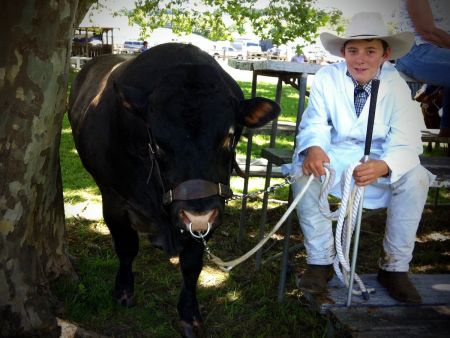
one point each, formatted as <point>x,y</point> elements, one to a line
<point>241,303</point>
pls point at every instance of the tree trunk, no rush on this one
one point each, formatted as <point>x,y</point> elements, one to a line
<point>35,42</point>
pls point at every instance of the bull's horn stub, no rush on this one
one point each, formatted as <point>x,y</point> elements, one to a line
<point>200,221</point>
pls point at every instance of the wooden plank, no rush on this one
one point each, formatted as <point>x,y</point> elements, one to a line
<point>258,167</point>
<point>434,289</point>
<point>283,128</point>
<point>277,156</point>
<point>391,322</point>
<point>432,135</point>
<point>439,166</point>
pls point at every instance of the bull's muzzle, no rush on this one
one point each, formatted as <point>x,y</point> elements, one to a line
<point>199,222</point>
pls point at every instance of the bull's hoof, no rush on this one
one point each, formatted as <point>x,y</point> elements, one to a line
<point>124,298</point>
<point>193,330</point>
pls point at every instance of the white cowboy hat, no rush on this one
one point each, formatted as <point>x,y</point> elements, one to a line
<point>369,26</point>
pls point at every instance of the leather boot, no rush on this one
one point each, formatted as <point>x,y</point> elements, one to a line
<point>315,278</point>
<point>399,286</point>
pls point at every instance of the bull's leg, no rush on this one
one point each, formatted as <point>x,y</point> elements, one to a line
<point>191,263</point>
<point>126,244</point>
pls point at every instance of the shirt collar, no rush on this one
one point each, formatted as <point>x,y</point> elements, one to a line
<point>368,86</point>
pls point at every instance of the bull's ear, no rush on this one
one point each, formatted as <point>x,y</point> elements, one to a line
<point>132,99</point>
<point>258,111</point>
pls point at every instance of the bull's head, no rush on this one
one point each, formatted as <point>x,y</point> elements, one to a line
<point>194,117</point>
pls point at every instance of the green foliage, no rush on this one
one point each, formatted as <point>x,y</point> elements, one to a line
<point>280,20</point>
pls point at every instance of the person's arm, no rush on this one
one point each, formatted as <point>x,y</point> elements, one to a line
<point>422,18</point>
<point>314,135</point>
<point>403,143</point>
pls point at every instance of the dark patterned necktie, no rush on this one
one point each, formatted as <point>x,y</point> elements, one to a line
<point>360,99</point>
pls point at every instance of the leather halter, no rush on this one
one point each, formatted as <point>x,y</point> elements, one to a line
<point>187,190</point>
<point>196,189</point>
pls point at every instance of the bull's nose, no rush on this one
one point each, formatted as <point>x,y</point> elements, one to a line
<point>199,220</point>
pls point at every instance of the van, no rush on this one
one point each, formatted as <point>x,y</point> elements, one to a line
<point>247,46</point>
<point>252,46</point>
<point>249,49</point>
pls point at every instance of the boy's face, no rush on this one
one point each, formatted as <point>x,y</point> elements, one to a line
<point>364,58</point>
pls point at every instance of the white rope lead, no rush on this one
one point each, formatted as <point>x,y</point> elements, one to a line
<point>227,266</point>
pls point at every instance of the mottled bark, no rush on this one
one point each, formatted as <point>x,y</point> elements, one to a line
<point>35,39</point>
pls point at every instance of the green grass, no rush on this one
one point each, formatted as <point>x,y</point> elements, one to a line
<point>241,303</point>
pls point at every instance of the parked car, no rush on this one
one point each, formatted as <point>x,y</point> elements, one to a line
<point>131,47</point>
<point>227,52</point>
<point>247,46</point>
<point>93,40</point>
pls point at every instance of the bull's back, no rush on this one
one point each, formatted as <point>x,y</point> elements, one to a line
<point>91,82</point>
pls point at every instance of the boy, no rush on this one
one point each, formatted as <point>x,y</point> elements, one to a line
<point>333,130</point>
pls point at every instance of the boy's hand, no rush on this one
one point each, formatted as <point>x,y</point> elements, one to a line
<point>368,172</point>
<point>313,164</point>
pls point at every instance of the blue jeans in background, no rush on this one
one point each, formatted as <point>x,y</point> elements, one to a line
<point>430,64</point>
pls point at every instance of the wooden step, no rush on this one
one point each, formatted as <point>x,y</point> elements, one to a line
<point>434,290</point>
<point>283,128</point>
<point>383,316</point>
<point>390,322</point>
<point>432,135</point>
<point>258,167</point>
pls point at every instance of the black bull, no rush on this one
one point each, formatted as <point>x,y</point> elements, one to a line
<point>160,125</point>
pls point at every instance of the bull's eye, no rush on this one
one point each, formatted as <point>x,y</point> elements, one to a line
<point>229,141</point>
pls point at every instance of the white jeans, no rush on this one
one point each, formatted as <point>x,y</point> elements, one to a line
<point>404,212</point>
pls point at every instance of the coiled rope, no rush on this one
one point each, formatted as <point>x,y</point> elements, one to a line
<point>346,216</point>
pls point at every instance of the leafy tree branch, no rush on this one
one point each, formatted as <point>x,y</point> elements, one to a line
<point>279,20</point>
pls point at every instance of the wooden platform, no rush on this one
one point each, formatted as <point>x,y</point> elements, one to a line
<point>434,289</point>
<point>383,316</point>
<point>392,322</point>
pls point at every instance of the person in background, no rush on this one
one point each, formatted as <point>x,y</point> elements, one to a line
<point>144,47</point>
<point>333,130</point>
<point>299,56</point>
<point>429,59</point>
